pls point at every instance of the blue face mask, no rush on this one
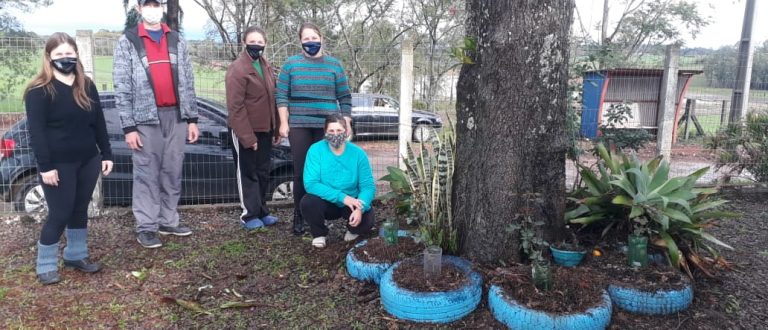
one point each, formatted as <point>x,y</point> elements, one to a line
<point>311,47</point>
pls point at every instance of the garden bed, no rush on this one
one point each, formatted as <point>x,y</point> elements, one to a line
<point>378,251</point>
<point>293,285</point>
<point>410,276</point>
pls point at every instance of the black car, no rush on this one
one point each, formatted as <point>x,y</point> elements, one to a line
<point>209,174</point>
<point>379,115</point>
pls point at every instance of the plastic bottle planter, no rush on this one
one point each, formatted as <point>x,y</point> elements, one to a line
<point>364,271</point>
<point>516,316</point>
<point>638,251</point>
<point>432,307</point>
<point>391,232</point>
<point>661,302</point>
<point>433,261</point>
<point>400,233</point>
<point>541,273</point>
<point>567,258</point>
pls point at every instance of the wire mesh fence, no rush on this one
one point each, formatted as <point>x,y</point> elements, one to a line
<point>618,101</point>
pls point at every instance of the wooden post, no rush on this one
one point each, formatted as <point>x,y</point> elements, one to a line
<point>723,112</point>
<point>406,100</point>
<point>666,116</point>
<point>687,116</point>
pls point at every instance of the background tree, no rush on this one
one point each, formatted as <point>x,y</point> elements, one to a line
<point>20,49</point>
<point>641,25</point>
<point>510,123</point>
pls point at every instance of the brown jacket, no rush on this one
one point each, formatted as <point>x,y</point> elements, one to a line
<point>250,99</point>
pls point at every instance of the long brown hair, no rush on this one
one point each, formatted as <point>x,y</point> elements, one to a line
<point>45,77</point>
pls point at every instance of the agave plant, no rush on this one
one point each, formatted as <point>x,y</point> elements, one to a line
<point>679,213</point>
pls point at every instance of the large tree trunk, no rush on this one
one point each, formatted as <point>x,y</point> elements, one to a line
<point>511,123</point>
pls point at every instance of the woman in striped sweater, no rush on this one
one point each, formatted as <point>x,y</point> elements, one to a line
<point>310,87</point>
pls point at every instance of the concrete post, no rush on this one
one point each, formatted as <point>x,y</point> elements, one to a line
<point>84,40</point>
<point>740,96</point>
<point>666,116</point>
<point>406,100</point>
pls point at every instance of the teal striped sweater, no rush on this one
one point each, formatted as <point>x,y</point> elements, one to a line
<point>312,88</point>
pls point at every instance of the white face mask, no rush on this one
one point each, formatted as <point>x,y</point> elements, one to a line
<point>152,15</point>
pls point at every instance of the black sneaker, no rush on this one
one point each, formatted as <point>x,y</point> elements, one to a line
<point>48,278</point>
<point>84,265</point>
<point>298,224</point>
<point>180,230</point>
<point>149,240</point>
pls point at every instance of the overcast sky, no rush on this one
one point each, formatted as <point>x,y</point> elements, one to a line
<point>69,15</point>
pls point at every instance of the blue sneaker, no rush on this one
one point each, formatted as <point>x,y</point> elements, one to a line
<point>253,224</point>
<point>269,220</point>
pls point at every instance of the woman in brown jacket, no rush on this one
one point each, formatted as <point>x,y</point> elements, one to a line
<point>253,119</point>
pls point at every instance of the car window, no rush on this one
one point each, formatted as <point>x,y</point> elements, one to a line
<point>358,101</point>
<point>385,103</point>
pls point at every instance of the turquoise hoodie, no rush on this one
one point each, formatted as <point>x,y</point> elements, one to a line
<point>332,177</point>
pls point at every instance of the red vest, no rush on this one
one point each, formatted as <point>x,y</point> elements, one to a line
<point>159,67</point>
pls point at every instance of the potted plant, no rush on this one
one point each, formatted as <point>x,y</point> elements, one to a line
<point>437,288</point>
<point>546,297</point>
<point>568,254</point>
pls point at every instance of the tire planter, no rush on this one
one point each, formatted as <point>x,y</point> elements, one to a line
<point>567,258</point>
<point>516,316</point>
<point>432,307</point>
<point>661,302</point>
<point>364,271</point>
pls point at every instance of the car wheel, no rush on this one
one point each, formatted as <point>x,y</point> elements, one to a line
<point>423,133</point>
<point>29,197</point>
<point>283,191</point>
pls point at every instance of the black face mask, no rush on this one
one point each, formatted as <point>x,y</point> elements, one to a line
<point>254,51</point>
<point>65,65</point>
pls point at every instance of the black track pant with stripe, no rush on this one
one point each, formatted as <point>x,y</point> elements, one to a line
<point>253,175</point>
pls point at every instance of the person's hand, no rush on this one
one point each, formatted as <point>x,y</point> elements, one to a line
<point>51,178</point>
<point>192,132</point>
<point>255,146</point>
<point>356,217</point>
<point>284,129</point>
<point>106,167</point>
<point>276,140</point>
<point>350,133</point>
<point>353,203</point>
<point>133,140</point>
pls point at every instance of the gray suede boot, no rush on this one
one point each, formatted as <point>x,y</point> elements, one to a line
<point>48,263</point>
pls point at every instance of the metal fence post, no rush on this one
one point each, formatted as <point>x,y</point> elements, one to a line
<point>84,40</point>
<point>666,116</point>
<point>406,100</point>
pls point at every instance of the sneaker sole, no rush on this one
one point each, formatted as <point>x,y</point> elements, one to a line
<point>84,270</point>
<point>174,234</point>
<point>153,246</point>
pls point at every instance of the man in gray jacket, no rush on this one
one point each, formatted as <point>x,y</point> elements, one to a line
<point>155,95</point>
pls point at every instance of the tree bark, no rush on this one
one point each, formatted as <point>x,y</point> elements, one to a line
<point>511,140</point>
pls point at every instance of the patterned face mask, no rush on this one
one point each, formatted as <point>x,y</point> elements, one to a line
<point>336,140</point>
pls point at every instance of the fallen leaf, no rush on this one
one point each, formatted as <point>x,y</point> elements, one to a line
<point>190,305</point>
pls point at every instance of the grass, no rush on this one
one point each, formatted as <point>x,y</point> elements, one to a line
<point>3,293</point>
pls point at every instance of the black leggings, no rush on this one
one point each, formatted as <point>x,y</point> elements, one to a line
<point>301,139</point>
<point>68,203</point>
<point>316,210</point>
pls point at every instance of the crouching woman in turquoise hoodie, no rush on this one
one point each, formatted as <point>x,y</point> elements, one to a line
<point>339,184</point>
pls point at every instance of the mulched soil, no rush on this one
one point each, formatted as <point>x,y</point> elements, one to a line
<point>574,290</point>
<point>376,250</point>
<point>270,279</point>
<point>654,277</point>
<point>409,275</point>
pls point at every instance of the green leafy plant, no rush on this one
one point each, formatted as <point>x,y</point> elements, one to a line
<point>640,196</point>
<point>464,52</point>
<point>616,135</point>
<point>743,147</point>
<point>400,192</point>
<point>530,229</point>
<point>430,174</point>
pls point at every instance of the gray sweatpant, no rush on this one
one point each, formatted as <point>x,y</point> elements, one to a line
<point>157,171</point>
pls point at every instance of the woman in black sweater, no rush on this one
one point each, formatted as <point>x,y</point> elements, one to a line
<point>69,139</point>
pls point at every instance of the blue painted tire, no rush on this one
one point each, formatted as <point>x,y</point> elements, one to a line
<point>364,271</point>
<point>661,302</point>
<point>567,258</point>
<point>516,316</point>
<point>432,307</point>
